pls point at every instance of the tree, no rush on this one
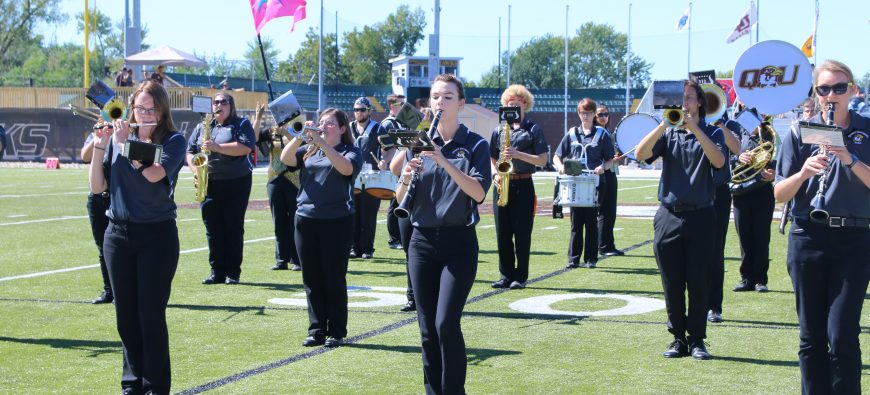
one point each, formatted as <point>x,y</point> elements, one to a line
<point>596,59</point>
<point>725,74</point>
<point>17,22</point>
<point>253,56</point>
<point>302,66</point>
<point>366,55</point>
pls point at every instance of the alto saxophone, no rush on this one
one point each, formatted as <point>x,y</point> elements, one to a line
<point>200,162</point>
<point>505,167</point>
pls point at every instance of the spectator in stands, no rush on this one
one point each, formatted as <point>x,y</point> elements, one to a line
<point>128,78</point>
<point>119,78</point>
<point>225,84</point>
<point>160,74</point>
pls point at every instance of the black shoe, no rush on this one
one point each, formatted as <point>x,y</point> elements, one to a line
<point>410,306</point>
<point>232,281</point>
<point>518,285</point>
<point>613,252</point>
<point>677,349</point>
<point>503,283</point>
<point>212,279</point>
<point>333,342</point>
<point>699,351</point>
<point>590,265</point>
<point>572,265</point>
<point>395,245</point>
<point>743,286</point>
<point>280,266</point>
<point>296,267</point>
<point>367,255</point>
<point>105,297</point>
<point>761,287</point>
<point>714,316</point>
<point>312,341</point>
<point>352,254</point>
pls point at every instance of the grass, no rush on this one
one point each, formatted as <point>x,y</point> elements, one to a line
<point>53,340</point>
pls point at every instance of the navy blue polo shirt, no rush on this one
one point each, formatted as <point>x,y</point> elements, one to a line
<point>390,122</point>
<point>220,166</point>
<point>575,142</point>
<point>134,198</point>
<point>438,200</point>
<point>722,175</point>
<point>845,194</point>
<point>323,192</point>
<point>528,138</point>
<point>687,174</point>
<point>367,141</point>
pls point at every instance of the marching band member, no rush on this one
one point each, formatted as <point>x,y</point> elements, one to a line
<point>452,180</point>
<point>591,145</point>
<point>229,187</point>
<point>394,104</point>
<point>324,220</point>
<point>827,260</point>
<point>607,197</point>
<point>365,132</point>
<point>97,205</point>
<point>514,222</point>
<point>683,242</point>
<point>282,188</point>
<point>141,243</point>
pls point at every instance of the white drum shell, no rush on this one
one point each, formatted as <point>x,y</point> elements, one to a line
<point>380,183</point>
<point>578,191</point>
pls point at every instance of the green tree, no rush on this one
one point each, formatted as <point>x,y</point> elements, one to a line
<point>725,74</point>
<point>596,59</point>
<point>366,54</point>
<point>253,56</point>
<point>301,67</point>
<point>18,20</point>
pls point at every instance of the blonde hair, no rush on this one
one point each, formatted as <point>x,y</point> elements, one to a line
<point>833,66</point>
<point>519,91</point>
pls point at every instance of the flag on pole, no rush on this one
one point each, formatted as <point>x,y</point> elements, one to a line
<point>683,23</point>
<point>266,10</point>
<point>745,24</point>
<point>807,48</point>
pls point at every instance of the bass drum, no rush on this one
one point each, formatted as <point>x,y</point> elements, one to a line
<point>772,76</point>
<point>631,130</point>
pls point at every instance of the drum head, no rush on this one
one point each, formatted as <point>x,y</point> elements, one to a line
<point>772,76</point>
<point>631,130</point>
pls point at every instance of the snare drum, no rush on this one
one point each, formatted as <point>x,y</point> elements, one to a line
<point>578,191</point>
<point>359,183</point>
<point>380,184</point>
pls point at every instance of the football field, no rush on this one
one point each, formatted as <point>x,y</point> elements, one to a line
<point>574,331</point>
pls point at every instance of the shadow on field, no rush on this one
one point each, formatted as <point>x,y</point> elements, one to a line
<point>595,290</point>
<point>283,287</point>
<point>790,364</point>
<point>629,270</point>
<point>495,252</point>
<point>375,273</point>
<point>390,261</point>
<point>558,319</point>
<point>95,347</point>
<point>475,355</point>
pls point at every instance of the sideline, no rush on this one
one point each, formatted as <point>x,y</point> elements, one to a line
<point>363,336</point>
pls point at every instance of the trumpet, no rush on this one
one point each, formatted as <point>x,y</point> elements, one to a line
<point>299,129</point>
<point>674,117</point>
<point>89,115</point>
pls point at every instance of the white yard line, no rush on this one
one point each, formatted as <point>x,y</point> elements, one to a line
<point>640,187</point>
<point>40,195</point>
<point>70,269</point>
<point>33,221</point>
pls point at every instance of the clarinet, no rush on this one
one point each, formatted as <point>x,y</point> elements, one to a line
<point>404,209</point>
<point>819,214</point>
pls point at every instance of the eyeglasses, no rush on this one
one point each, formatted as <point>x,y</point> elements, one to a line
<point>360,109</point>
<point>143,110</point>
<point>603,114</point>
<point>220,102</point>
<point>839,89</point>
<point>325,124</point>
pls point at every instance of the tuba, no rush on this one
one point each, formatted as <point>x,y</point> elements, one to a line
<point>504,167</point>
<point>200,161</point>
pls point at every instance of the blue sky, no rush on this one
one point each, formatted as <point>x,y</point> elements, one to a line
<point>470,28</point>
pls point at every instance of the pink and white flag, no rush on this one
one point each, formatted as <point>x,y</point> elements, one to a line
<point>266,10</point>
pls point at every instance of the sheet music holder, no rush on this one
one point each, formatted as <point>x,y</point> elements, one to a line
<point>414,140</point>
<point>817,133</point>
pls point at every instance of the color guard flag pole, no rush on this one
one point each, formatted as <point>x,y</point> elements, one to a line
<point>266,10</point>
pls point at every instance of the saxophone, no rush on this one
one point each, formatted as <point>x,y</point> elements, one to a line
<point>505,167</point>
<point>200,162</point>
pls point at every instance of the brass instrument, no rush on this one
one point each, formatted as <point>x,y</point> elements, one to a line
<point>674,117</point>
<point>761,157</point>
<point>819,214</point>
<point>89,115</point>
<point>504,167</point>
<point>715,102</point>
<point>200,161</point>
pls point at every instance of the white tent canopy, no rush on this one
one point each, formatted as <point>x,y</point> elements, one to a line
<point>165,55</point>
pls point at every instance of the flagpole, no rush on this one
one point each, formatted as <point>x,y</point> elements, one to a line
<point>509,47</point>
<point>320,99</point>
<point>815,28</point>
<point>265,68</point>
<point>565,110</point>
<point>628,64</point>
<point>689,57</point>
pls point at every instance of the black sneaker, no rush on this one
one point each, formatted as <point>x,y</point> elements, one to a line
<point>395,245</point>
<point>312,341</point>
<point>714,316</point>
<point>333,342</point>
<point>743,286</point>
<point>213,279</point>
<point>231,281</point>
<point>296,267</point>
<point>699,351</point>
<point>572,265</point>
<point>590,265</point>
<point>105,297</point>
<point>613,252</point>
<point>761,287</point>
<point>367,255</point>
<point>503,283</point>
<point>677,349</point>
<point>352,254</point>
<point>518,285</point>
<point>410,306</point>
<point>280,266</point>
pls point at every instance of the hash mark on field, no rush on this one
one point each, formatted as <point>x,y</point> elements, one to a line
<point>33,221</point>
<point>640,187</point>
<point>486,226</point>
<point>551,227</point>
<point>40,195</point>
<point>16,215</point>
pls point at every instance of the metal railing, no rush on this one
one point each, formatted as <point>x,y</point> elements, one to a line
<point>179,98</point>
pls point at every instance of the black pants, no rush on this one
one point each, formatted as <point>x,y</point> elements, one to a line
<point>393,223</point>
<point>282,200</point>
<point>405,230</point>
<point>753,213</point>
<point>722,206</point>
<point>142,259</point>
<point>583,217</point>
<point>829,271</point>
<point>607,211</point>
<point>97,205</point>
<point>223,212</point>
<point>513,224</point>
<point>684,254</point>
<point>443,264</point>
<point>365,221</point>
<point>323,246</point>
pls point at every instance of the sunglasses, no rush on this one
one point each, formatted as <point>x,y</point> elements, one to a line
<point>220,102</point>
<point>839,89</point>
<point>603,114</point>
<point>360,109</point>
